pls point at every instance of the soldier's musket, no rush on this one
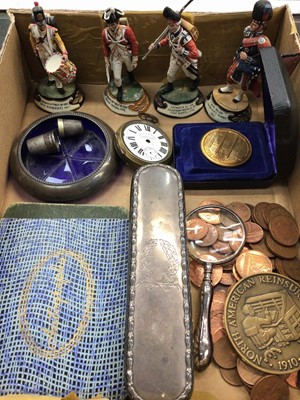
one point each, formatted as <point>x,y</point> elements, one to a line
<point>188,65</point>
<point>164,33</point>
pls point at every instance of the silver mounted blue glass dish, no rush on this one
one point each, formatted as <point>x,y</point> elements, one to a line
<point>83,164</point>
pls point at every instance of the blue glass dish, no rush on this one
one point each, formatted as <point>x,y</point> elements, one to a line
<point>84,163</point>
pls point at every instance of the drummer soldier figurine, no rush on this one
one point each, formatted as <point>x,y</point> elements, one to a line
<point>57,91</point>
<point>45,41</point>
<point>120,49</point>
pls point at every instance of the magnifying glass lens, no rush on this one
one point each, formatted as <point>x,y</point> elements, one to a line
<point>215,234</point>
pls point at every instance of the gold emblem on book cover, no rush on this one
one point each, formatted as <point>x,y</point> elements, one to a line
<point>262,319</point>
<point>226,147</point>
<point>48,303</point>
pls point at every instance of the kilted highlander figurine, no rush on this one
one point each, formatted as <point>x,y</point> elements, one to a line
<point>247,62</point>
<point>230,103</point>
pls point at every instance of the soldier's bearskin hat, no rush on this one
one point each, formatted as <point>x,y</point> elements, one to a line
<point>168,13</point>
<point>262,11</point>
<point>112,15</point>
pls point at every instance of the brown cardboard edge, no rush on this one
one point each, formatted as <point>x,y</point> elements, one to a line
<point>14,97</point>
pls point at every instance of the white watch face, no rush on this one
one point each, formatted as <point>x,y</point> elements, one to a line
<point>146,142</point>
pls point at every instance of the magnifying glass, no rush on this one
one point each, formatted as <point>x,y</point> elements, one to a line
<point>215,236</point>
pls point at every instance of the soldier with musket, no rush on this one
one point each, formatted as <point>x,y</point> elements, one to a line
<point>184,51</point>
<point>247,63</point>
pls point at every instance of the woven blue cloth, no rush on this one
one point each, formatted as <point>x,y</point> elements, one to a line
<point>63,304</point>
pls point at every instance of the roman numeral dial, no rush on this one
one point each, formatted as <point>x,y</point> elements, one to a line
<point>140,143</point>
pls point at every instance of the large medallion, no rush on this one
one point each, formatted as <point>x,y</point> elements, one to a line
<point>226,147</point>
<point>262,319</point>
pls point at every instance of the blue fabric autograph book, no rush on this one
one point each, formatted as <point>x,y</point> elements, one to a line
<point>63,305</point>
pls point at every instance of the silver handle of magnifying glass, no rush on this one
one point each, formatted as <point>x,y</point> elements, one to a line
<point>202,337</point>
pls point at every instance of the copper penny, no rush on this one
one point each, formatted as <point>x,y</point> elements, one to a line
<point>216,323</point>
<point>293,380</point>
<point>196,229</point>
<point>254,232</point>
<point>229,220</point>
<point>210,215</point>
<point>222,247</point>
<point>218,334</point>
<point>252,262</point>
<point>292,268</point>
<point>280,250</point>
<point>197,273</point>
<point>261,246</point>
<point>236,274</point>
<point>210,238</point>
<point>270,387</point>
<point>284,230</point>
<point>231,376</point>
<point>224,353</point>
<point>209,202</point>
<point>228,265</point>
<point>236,239</point>
<point>257,214</point>
<point>280,211</point>
<point>251,207</point>
<point>224,234</point>
<point>271,207</point>
<point>218,298</point>
<point>241,209</point>
<point>228,278</point>
<point>248,374</point>
<point>278,266</point>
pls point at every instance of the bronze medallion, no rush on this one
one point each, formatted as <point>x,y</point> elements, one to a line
<point>262,320</point>
<point>226,147</point>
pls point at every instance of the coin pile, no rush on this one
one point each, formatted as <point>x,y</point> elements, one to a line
<point>272,236</point>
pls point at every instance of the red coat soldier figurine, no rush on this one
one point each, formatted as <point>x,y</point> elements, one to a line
<point>119,47</point>
<point>179,98</point>
<point>184,51</point>
<point>247,62</point>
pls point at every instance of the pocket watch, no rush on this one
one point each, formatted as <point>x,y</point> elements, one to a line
<point>141,142</point>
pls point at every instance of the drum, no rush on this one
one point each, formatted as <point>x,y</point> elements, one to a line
<point>65,71</point>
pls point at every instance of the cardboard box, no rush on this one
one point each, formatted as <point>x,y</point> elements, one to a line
<point>220,35</point>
